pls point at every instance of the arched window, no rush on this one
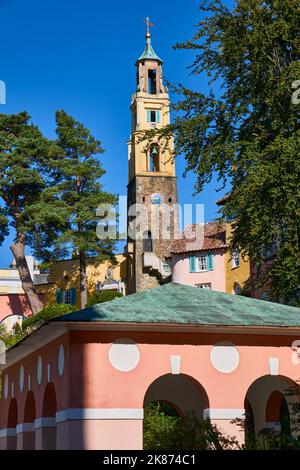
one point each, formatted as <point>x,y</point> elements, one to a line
<point>147,242</point>
<point>153,163</point>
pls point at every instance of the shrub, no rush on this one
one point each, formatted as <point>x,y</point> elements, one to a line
<point>165,430</point>
<point>104,296</point>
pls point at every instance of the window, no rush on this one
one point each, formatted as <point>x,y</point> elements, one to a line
<point>134,120</point>
<point>235,259</point>
<point>152,82</point>
<point>153,116</point>
<point>204,286</point>
<point>67,296</point>
<point>204,262</point>
<point>147,242</point>
<point>167,266</point>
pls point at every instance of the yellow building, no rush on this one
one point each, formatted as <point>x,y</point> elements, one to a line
<point>237,268</point>
<point>63,281</point>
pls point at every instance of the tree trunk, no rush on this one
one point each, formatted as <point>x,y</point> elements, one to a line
<point>83,279</point>
<point>18,250</point>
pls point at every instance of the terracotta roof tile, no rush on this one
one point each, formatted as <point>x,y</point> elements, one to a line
<point>200,237</point>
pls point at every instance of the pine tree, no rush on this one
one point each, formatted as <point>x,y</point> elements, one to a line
<point>24,156</point>
<point>78,175</point>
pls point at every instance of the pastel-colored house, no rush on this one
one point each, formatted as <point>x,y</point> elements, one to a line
<point>63,281</point>
<point>82,381</point>
<point>201,258</point>
<point>14,305</point>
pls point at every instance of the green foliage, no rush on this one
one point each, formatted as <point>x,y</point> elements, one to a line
<point>246,129</point>
<point>165,430</point>
<point>33,322</point>
<point>24,153</point>
<point>77,172</point>
<point>47,314</point>
<point>104,296</point>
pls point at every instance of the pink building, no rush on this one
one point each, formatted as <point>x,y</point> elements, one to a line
<point>14,305</point>
<point>198,258</point>
<point>82,381</point>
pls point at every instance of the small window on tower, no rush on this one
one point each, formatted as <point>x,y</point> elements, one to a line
<point>152,82</point>
<point>152,116</point>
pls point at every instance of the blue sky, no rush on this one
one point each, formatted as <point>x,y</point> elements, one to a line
<point>79,56</point>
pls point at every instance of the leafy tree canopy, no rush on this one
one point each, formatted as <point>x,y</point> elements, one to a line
<point>246,129</point>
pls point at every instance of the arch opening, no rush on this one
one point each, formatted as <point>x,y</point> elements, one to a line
<point>271,405</point>
<point>48,433</point>
<point>172,400</point>
<point>28,434</point>
<point>12,421</point>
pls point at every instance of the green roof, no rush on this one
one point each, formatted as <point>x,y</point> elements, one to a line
<point>149,54</point>
<point>181,304</point>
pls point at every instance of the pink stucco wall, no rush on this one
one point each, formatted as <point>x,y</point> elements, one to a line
<point>89,382</point>
<point>15,304</point>
<point>182,275</point>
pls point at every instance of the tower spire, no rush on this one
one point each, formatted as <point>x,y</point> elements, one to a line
<point>149,52</point>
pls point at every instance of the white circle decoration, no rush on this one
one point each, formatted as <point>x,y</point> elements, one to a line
<point>6,387</point>
<point>39,370</point>
<point>61,360</point>
<point>21,378</point>
<point>224,357</point>
<point>124,355</point>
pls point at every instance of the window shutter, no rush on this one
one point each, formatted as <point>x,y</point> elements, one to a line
<point>192,264</point>
<point>148,115</point>
<point>73,296</point>
<point>157,116</point>
<point>59,296</point>
<point>210,261</point>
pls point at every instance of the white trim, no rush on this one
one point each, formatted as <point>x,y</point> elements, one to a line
<point>274,365</point>
<point>25,427</point>
<point>224,413</point>
<point>99,413</point>
<point>7,432</point>
<point>175,364</point>
<point>44,423</point>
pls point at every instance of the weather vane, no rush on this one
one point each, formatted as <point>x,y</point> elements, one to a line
<point>149,25</point>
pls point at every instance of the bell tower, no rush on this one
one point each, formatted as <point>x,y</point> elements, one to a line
<point>152,186</point>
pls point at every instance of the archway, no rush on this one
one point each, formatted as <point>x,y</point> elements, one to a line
<point>28,433</point>
<point>273,400</point>
<point>171,398</point>
<point>48,429</point>
<point>278,413</point>
<point>12,422</point>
